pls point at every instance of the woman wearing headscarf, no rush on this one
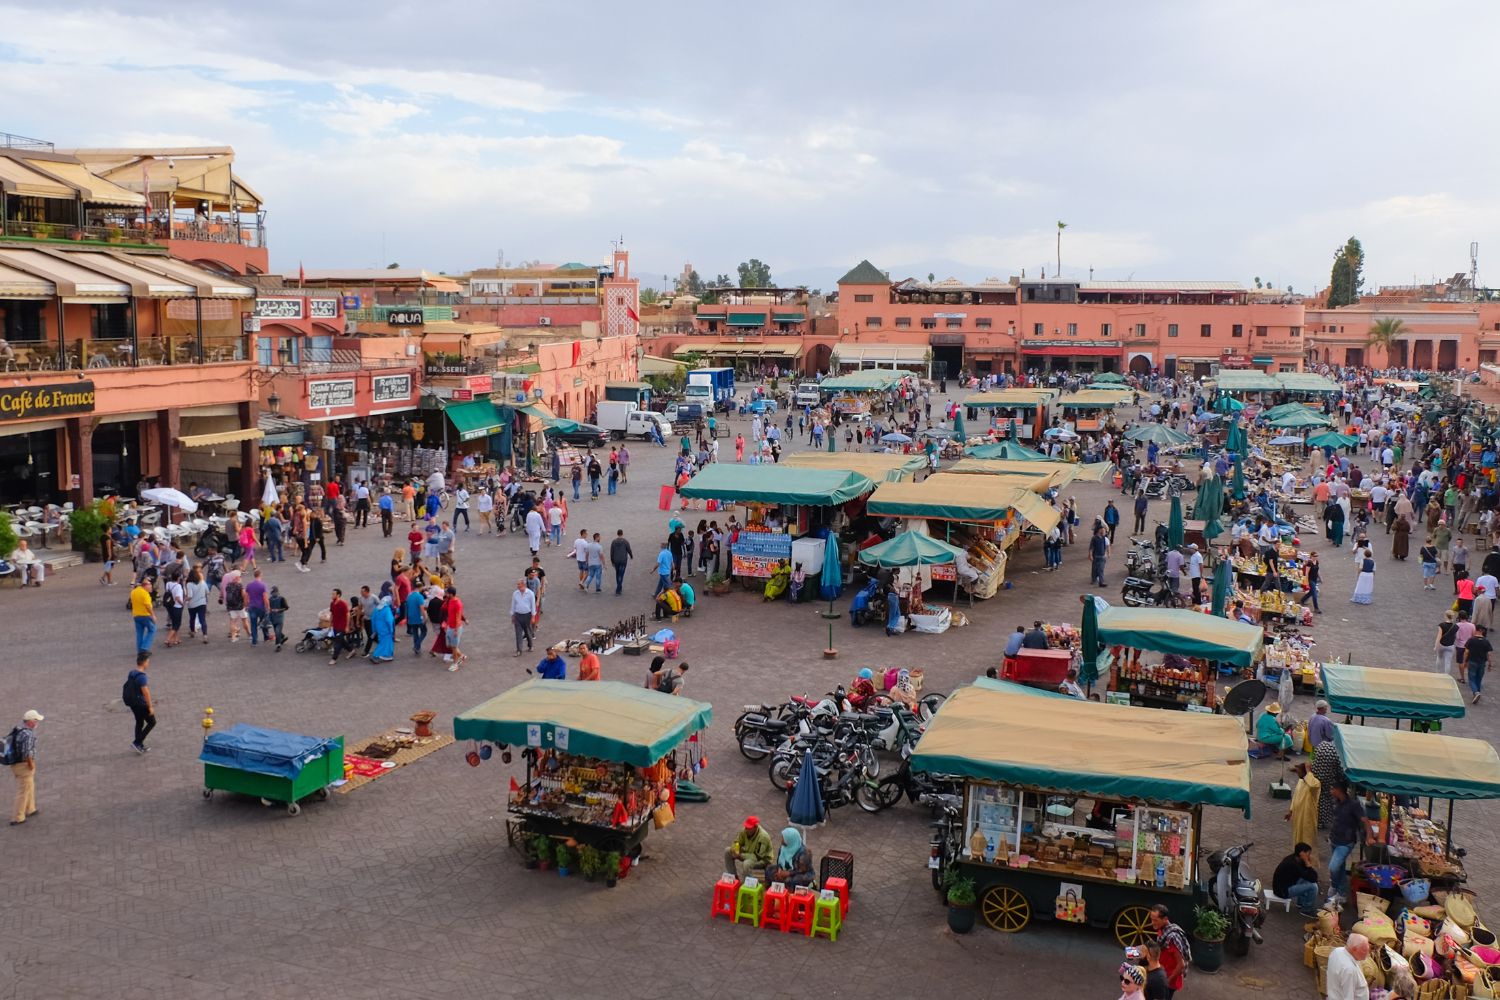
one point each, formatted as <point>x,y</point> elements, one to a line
<point>383,622</point>
<point>1364,584</point>
<point>1329,772</point>
<point>793,865</point>
<point>1401,539</point>
<point>905,691</point>
<point>1333,521</point>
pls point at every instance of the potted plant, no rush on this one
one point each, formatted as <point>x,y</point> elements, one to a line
<point>613,869</point>
<point>718,583</point>
<point>1209,929</point>
<point>8,536</point>
<point>42,231</point>
<point>960,901</point>
<point>565,860</point>
<point>75,234</point>
<point>116,234</point>
<point>87,525</point>
<point>590,862</point>
<point>541,848</point>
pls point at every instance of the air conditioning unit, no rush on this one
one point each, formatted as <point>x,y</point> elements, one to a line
<point>411,350</point>
<point>544,321</point>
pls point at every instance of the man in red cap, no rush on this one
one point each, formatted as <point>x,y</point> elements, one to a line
<point>751,853</point>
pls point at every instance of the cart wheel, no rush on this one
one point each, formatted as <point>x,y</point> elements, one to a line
<point>1005,909</point>
<point>293,809</point>
<point>322,794</point>
<point>1132,926</point>
<point>515,835</point>
<point>208,793</point>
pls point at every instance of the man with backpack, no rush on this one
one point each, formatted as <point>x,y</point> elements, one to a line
<point>20,754</point>
<point>137,697</point>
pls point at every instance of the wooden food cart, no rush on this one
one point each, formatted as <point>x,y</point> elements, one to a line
<point>1098,805</point>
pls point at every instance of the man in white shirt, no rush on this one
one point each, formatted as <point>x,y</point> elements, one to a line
<point>554,523</point>
<point>534,530</point>
<point>435,482</point>
<point>361,504</point>
<point>461,507</point>
<point>1195,573</point>
<point>486,505</point>
<point>581,554</point>
<point>522,608</point>
<point>28,565</point>
<point>1378,496</point>
<point>1346,981</point>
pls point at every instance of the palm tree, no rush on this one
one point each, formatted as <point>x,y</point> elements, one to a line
<point>1384,333</point>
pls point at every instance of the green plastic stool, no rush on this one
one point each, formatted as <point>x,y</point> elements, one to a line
<point>826,918</point>
<point>749,902</point>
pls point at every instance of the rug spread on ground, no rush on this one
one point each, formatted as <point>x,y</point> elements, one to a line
<point>391,750</point>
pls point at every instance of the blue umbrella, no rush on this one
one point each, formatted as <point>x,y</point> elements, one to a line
<point>896,437</point>
<point>831,583</point>
<point>804,804</point>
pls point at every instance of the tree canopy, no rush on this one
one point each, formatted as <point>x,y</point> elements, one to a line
<point>1346,280</point>
<point>755,274</point>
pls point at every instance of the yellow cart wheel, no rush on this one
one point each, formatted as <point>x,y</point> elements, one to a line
<point>1005,909</point>
<point>1132,926</point>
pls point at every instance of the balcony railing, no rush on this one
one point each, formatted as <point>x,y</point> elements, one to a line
<point>136,235</point>
<point>340,360</point>
<point>82,355</point>
<point>212,232</point>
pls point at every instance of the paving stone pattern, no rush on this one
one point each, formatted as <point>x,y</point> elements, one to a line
<point>129,884</point>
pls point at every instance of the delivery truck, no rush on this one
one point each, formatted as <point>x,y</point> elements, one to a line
<point>709,386</point>
<point>624,419</point>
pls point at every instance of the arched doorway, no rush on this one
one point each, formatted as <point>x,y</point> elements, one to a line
<point>1140,364</point>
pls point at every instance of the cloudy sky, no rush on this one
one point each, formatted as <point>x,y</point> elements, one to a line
<point>1222,140</point>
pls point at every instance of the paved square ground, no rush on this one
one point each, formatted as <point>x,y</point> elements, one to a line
<point>128,884</point>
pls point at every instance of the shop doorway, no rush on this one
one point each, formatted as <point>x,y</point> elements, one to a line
<point>946,361</point>
<point>1140,365</point>
<point>117,459</point>
<point>28,468</point>
<point>1447,358</point>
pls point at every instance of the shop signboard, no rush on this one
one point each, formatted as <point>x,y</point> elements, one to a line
<point>405,317</point>
<point>391,388</point>
<point>461,395</point>
<point>944,571</point>
<point>757,553</point>
<point>330,393</point>
<point>28,402</point>
<point>481,383</point>
<point>323,308</point>
<point>351,302</point>
<point>278,308</point>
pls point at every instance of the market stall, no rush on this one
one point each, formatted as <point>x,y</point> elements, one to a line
<point>783,503</point>
<point>878,467</point>
<point>1106,820</point>
<point>1088,410</point>
<point>1403,768</point>
<point>1028,408</point>
<point>1196,648</point>
<point>602,762</point>
<point>1008,450</point>
<point>1063,473</point>
<point>1278,599</point>
<point>910,554</point>
<point>1382,693</point>
<point>983,516</point>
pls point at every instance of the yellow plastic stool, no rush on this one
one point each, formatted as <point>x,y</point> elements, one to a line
<point>826,918</point>
<point>749,902</point>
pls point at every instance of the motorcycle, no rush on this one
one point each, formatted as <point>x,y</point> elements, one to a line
<point>918,787</point>
<point>321,639</point>
<point>1140,592</point>
<point>946,841</point>
<point>1236,894</point>
<point>1144,559</point>
<point>839,781</point>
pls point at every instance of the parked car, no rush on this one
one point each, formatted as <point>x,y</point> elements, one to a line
<point>583,436</point>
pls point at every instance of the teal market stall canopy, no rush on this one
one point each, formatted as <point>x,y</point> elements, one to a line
<point>777,484</point>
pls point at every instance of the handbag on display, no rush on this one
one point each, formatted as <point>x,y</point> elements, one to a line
<point>1070,908</point>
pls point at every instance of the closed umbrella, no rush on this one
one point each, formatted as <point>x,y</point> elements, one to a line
<point>1234,441</point>
<point>959,431</point>
<point>831,581</point>
<point>269,496</point>
<point>804,803</point>
<point>1221,588</point>
<point>1209,506</point>
<point>1088,673</point>
<point>1010,433</point>
<point>1174,522</point>
<point>1237,483</point>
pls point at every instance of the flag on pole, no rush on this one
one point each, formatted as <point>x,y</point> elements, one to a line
<point>632,314</point>
<point>301,275</point>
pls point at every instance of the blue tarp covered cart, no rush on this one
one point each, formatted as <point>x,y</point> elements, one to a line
<point>271,765</point>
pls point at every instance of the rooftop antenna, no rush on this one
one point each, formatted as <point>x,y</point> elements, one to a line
<point>1474,271</point>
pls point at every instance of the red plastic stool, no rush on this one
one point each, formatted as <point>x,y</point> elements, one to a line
<point>724,893</point>
<point>800,912</point>
<point>841,888</point>
<point>774,913</point>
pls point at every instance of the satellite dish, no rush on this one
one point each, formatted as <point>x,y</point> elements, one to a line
<point>1243,697</point>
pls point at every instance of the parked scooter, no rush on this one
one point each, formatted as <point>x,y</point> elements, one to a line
<point>1236,894</point>
<point>1140,592</point>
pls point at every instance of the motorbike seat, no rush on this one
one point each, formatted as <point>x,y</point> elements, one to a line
<point>803,700</point>
<point>858,718</point>
<point>772,725</point>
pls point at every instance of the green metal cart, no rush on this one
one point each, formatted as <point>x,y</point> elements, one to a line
<point>271,765</point>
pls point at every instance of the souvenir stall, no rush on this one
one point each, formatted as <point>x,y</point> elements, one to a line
<point>914,554</point>
<point>979,514</point>
<point>784,505</point>
<point>1094,829</point>
<point>1196,650</point>
<point>1023,412</point>
<point>1422,699</point>
<point>602,761</point>
<point>1277,604</point>
<point>289,465</point>
<point>1410,896</point>
<point>1290,650</point>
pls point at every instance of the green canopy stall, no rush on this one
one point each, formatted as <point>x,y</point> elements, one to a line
<point>1383,693</point>
<point>910,548</point>
<point>777,484</point>
<point>1180,633</point>
<point>868,380</point>
<point>1115,377</point>
<point>1163,435</point>
<point>601,758</point>
<point>1296,421</point>
<point>1331,439</point>
<point>1010,450</point>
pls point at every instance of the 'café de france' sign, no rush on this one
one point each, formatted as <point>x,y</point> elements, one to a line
<point>330,394</point>
<point>29,402</point>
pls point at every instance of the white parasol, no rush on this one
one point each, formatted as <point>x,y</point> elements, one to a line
<point>269,495</point>
<point>168,497</point>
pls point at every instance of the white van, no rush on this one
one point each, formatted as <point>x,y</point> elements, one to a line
<point>808,394</point>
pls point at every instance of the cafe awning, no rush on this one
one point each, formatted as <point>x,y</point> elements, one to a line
<point>957,497</point>
<point>1391,694</point>
<point>1401,762</point>
<point>1114,752</point>
<point>608,720</point>
<point>473,420</point>
<point>878,354</point>
<point>747,319</point>
<point>17,178</point>
<point>91,187</point>
<point>220,437</point>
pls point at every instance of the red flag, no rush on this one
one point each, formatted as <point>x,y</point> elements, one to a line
<point>632,314</point>
<point>514,788</point>
<point>577,351</point>
<point>301,275</point>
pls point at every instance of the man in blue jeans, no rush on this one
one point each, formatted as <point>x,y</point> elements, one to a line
<point>1347,832</point>
<point>619,557</point>
<point>663,569</point>
<point>1296,879</point>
